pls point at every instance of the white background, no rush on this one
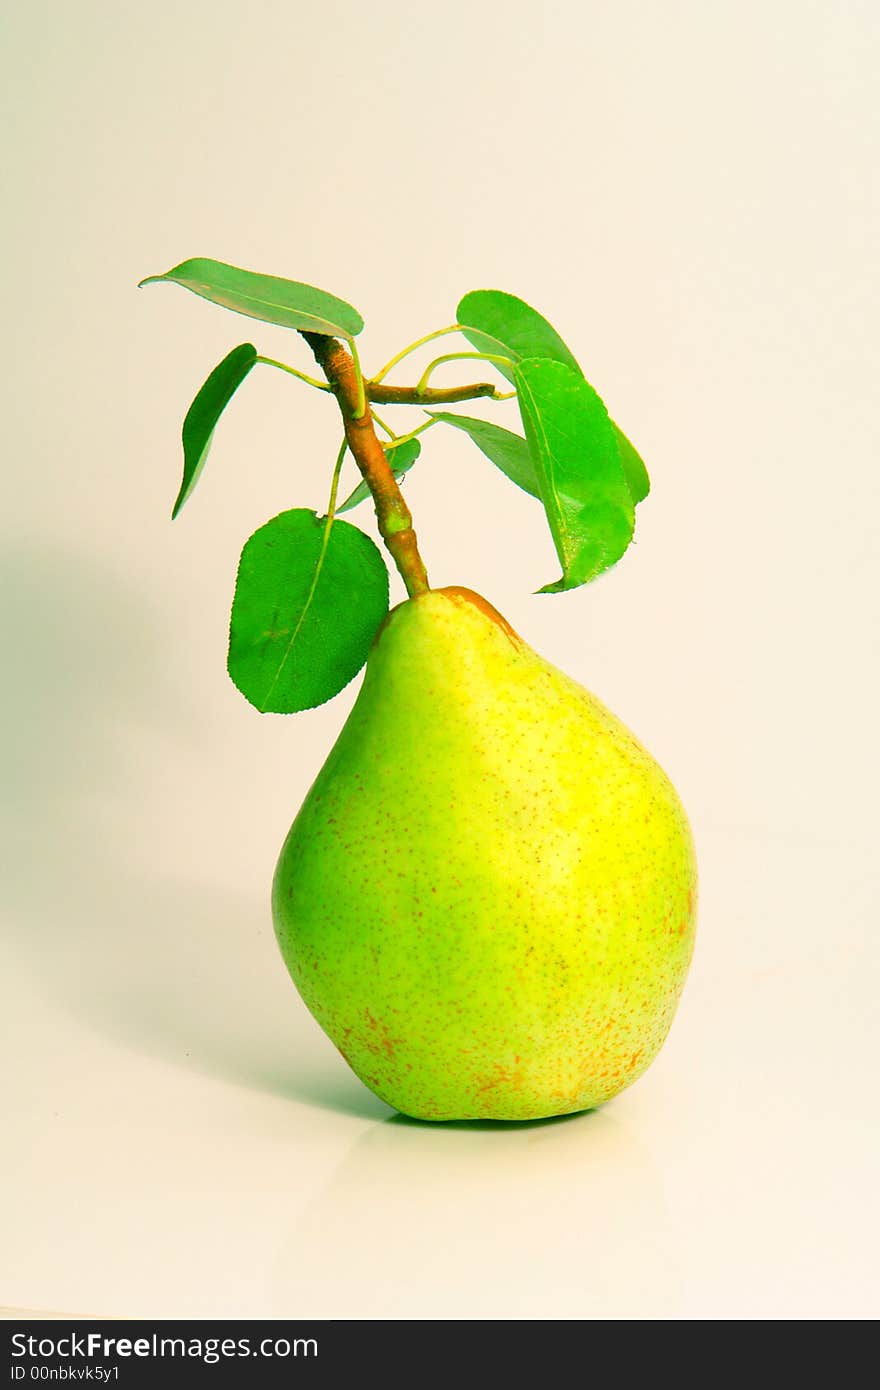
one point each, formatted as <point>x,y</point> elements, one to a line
<point>689,193</point>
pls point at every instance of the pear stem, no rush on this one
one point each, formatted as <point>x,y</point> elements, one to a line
<point>392,513</point>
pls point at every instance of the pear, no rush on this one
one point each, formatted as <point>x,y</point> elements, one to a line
<point>487,900</point>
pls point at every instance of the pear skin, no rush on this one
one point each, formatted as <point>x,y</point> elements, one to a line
<point>488,898</point>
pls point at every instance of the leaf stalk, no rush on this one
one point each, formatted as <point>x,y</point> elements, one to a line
<point>392,512</point>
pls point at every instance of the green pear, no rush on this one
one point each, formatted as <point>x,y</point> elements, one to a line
<point>488,897</point>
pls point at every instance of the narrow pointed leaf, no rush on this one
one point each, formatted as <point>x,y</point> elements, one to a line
<point>508,451</point>
<point>267,297</point>
<point>634,469</point>
<point>500,323</point>
<point>294,640</point>
<point>401,458</point>
<point>577,462</point>
<point>205,411</point>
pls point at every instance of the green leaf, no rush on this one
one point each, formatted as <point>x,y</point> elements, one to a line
<point>302,625</point>
<point>500,323</point>
<point>633,466</point>
<point>401,458</point>
<point>266,297</point>
<point>205,411</point>
<point>508,451</point>
<point>574,450</point>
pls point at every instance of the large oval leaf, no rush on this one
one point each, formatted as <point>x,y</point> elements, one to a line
<point>574,450</point>
<point>401,457</point>
<point>496,322</point>
<point>267,297</point>
<point>205,411</point>
<point>303,616</point>
<point>508,451</point>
